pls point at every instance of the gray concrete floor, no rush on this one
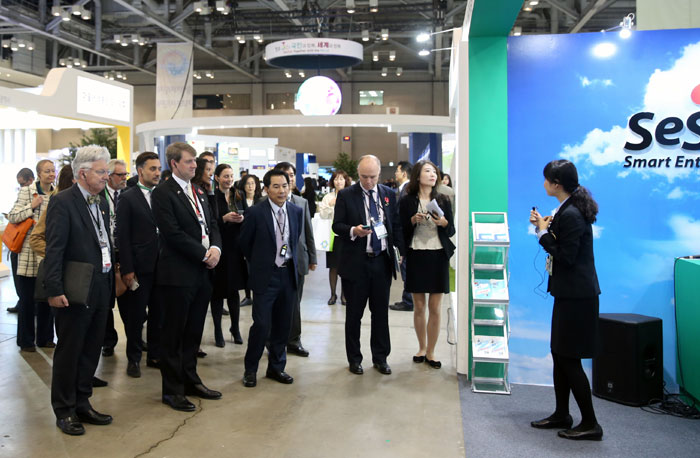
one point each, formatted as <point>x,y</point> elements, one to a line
<point>327,412</point>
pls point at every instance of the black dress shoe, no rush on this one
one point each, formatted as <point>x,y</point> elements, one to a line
<point>333,299</point>
<point>225,312</point>
<point>71,426</point>
<point>356,368</point>
<point>401,307</point>
<point>93,417</point>
<point>592,434</point>
<point>281,376</point>
<point>246,301</point>
<point>202,391</point>
<point>249,379</point>
<point>201,354</point>
<point>419,359</point>
<point>133,369</point>
<point>297,350</point>
<point>107,351</point>
<point>31,349</point>
<point>98,382</point>
<point>383,368</point>
<point>47,345</point>
<point>178,402</point>
<point>552,422</point>
<point>153,363</point>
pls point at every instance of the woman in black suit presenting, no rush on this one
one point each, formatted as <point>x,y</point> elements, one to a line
<point>427,238</point>
<point>231,273</point>
<point>568,239</point>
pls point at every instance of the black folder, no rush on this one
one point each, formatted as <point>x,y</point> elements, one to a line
<point>77,278</point>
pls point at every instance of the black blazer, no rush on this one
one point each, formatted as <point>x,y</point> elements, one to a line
<point>257,241</point>
<point>181,250</point>
<point>231,273</point>
<point>569,240</point>
<point>349,212</point>
<point>408,206</point>
<point>70,236</point>
<point>136,233</point>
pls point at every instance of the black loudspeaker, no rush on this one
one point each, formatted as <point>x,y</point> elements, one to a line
<point>629,368</point>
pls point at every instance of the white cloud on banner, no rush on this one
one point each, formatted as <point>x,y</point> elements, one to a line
<point>678,194</point>
<point>687,232</point>
<point>530,369</point>
<point>585,82</point>
<point>667,94</point>
<point>597,231</point>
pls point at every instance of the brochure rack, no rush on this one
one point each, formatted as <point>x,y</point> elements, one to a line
<point>490,326</point>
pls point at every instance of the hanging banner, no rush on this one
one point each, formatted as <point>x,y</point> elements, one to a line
<point>174,81</point>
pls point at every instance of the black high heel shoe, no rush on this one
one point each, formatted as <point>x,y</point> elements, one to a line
<point>333,299</point>
<point>237,339</point>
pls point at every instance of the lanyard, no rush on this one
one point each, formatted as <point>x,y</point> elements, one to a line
<point>280,227</point>
<point>379,213</point>
<point>95,219</point>
<point>196,209</point>
<point>144,188</point>
<point>110,198</point>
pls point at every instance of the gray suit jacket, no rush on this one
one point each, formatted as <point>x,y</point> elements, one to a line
<point>306,251</point>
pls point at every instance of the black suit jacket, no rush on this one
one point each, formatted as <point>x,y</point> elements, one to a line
<point>136,233</point>
<point>349,212</point>
<point>408,206</point>
<point>569,240</point>
<point>181,250</point>
<point>259,245</point>
<point>70,236</point>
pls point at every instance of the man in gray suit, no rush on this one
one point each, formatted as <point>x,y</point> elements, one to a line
<point>306,260</point>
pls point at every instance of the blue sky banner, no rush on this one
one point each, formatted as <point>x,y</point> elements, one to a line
<point>627,113</point>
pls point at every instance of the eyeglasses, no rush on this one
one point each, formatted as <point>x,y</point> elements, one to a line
<point>101,172</point>
<point>120,175</point>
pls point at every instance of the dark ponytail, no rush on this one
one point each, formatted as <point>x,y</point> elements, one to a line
<point>564,173</point>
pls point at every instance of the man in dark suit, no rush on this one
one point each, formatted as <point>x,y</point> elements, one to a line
<point>306,260</point>
<point>137,243</point>
<point>366,219</point>
<point>189,249</point>
<point>269,240</point>
<point>77,229</point>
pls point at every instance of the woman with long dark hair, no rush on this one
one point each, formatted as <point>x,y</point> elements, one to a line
<point>231,274</point>
<point>427,237</point>
<point>309,193</point>
<point>568,239</point>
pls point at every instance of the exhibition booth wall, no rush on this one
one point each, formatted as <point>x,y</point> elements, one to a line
<point>626,112</point>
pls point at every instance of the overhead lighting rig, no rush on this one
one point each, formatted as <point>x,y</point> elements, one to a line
<point>66,11</point>
<point>199,74</point>
<point>71,62</point>
<point>114,76</point>
<point>15,44</point>
<point>134,38</point>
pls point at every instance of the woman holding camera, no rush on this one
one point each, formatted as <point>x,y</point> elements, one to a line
<point>568,239</point>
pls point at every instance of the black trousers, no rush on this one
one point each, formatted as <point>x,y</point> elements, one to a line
<point>14,261</point>
<point>372,286</point>
<point>295,329</point>
<point>185,310</point>
<point>80,331</point>
<point>132,309</point>
<point>110,336</point>
<point>28,309</point>
<point>406,297</point>
<point>272,316</point>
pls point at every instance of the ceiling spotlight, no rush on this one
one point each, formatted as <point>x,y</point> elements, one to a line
<point>423,52</point>
<point>124,43</point>
<point>77,10</point>
<point>423,37</point>
<point>241,39</point>
<point>375,56</point>
<point>56,11</point>
<point>256,36</point>
<point>62,62</point>
<point>534,2</point>
<point>135,38</point>
<point>197,6</point>
<point>385,34</point>
<point>373,6</point>
<point>626,25</point>
<point>14,46</point>
<point>260,38</point>
<point>5,44</point>
<point>65,15</point>
<point>302,74</point>
<point>527,8</point>
<point>86,16</point>
<point>220,5</point>
<point>143,41</point>
<point>350,5</point>
<point>208,74</point>
<point>21,43</point>
<point>517,31</point>
<point>117,38</point>
<point>385,71</point>
<point>392,55</point>
<point>399,71</point>
<point>287,73</point>
<point>365,35</point>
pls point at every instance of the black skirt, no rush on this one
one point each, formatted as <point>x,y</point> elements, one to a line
<point>575,327</point>
<point>427,271</point>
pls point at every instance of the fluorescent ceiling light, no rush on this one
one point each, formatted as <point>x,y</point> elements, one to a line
<point>423,52</point>
<point>423,37</point>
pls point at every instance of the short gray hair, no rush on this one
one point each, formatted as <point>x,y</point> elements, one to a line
<point>86,155</point>
<point>370,156</point>
<point>111,165</point>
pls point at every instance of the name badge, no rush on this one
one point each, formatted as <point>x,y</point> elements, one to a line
<point>380,230</point>
<point>106,257</point>
<point>283,250</point>
<point>549,264</point>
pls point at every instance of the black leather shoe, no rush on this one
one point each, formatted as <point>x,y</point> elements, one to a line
<point>201,354</point>
<point>98,382</point>
<point>178,402</point>
<point>401,307</point>
<point>246,301</point>
<point>14,309</point>
<point>107,351</point>
<point>281,376</point>
<point>71,426</point>
<point>133,369</point>
<point>93,417</point>
<point>383,368</point>
<point>593,434</point>
<point>225,312</point>
<point>356,368</point>
<point>249,379</point>
<point>297,350</point>
<point>153,363</point>
<point>47,345</point>
<point>203,392</point>
<point>552,422</point>
<point>31,349</point>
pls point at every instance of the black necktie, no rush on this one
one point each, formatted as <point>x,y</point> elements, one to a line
<point>376,244</point>
<point>116,197</point>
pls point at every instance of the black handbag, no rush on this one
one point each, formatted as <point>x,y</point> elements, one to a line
<point>77,279</point>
